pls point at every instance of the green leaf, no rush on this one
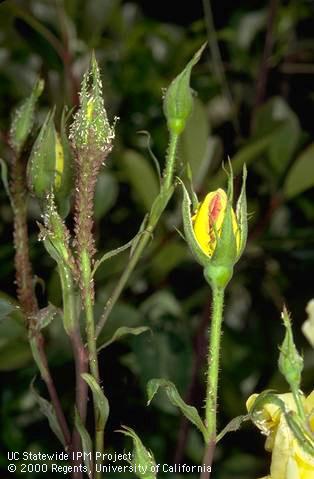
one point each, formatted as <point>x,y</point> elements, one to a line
<point>100,399</point>
<point>14,354</point>
<point>168,352</point>
<point>141,456</point>
<point>308,325</point>
<point>142,177</point>
<point>6,308</point>
<point>47,410</point>
<point>249,153</point>
<point>232,426</point>
<point>276,114</point>
<point>301,174</point>
<point>121,332</point>
<point>194,142</point>
<point>166,259</point>
<point>106,194</point>
<point>87,444</point>
<point>161,304</point>
<point>249,25</point>
<point>189,412</point>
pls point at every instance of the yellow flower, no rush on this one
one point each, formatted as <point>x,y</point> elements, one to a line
<point>208,221</point>
<point>289,460</point>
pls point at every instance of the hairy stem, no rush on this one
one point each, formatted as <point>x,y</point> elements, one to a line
<point>23,268</point>
<point>212,376</point>
<point>199,357</point>
<point>170,162</point>
<point>91,345</point>
<point>25,289</point>
<point>79,353</point>
<point>208,459</point>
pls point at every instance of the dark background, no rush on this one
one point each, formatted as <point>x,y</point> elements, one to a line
<point>262,84</point>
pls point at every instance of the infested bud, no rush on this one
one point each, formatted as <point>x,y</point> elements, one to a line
<point>91,127</point>
<point>178,101</point>
<point>290,362</point>
<point>50,164</point>
<point>23,118</point>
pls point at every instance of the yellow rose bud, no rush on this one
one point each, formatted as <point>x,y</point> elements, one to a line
<point>208,221</point>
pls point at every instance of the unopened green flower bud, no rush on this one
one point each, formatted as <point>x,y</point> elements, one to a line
<point>91,127</point>
<point>178,101</point>
<point>23,118</point>
<point>143,461</point>
<point>290,362</point>
<point>49,167</point>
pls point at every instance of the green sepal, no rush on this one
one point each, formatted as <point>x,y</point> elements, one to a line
<point>23,118</point>
<point>190,412</point>
<point>41,164</point>
<point>100,400</point>
<point>197,251</point>
<point>63,192</point>
<point>178,100</point>
<point>141,456</point>
<point>219,271</point>
<point>50,167</point>
<point>225,253</point>
<point>241,213</point>
<point>87,444</point>
<point>290,362</point>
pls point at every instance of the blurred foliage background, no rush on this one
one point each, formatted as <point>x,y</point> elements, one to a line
<point>254,103</point>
